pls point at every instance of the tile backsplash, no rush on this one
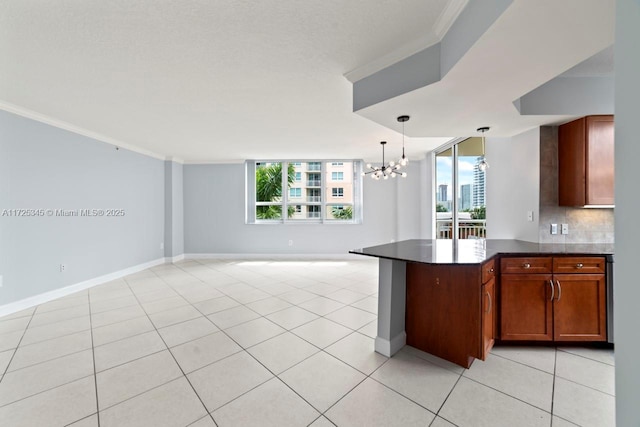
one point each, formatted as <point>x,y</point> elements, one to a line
<point>585,225</point>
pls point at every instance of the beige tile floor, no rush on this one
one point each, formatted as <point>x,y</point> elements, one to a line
<point>269,343</point>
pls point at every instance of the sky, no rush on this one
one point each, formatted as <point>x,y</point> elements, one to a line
<point>465,171</point>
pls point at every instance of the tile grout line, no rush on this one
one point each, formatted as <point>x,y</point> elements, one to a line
<point>278,375</point>
<point>93,355</point>
<point>553,386</point>
<point>184,375</point>
<point>15,350</point>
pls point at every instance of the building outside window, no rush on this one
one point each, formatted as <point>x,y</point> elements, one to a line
<point>295,192</point>
<point>310,192</point>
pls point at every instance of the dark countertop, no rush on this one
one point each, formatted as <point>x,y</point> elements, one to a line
<point>476,251</point>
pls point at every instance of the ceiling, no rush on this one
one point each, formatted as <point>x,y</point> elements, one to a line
<point>228,80</point>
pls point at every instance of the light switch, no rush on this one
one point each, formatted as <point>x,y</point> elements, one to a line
<point>530,216</point>
<point>554,228</point>
<point>565,228</point>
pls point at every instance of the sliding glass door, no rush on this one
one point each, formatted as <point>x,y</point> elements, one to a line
<point>460,188</point>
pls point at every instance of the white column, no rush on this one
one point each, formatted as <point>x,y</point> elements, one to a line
<point>392,293</point>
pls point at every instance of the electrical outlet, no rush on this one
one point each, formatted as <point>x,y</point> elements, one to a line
<point>554,228</point>
<point>290,242</point>
<point>63,268</point>
<point>565,228</point>
<point>530,216</point>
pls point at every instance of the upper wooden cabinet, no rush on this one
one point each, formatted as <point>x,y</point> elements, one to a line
<point>586,162</point>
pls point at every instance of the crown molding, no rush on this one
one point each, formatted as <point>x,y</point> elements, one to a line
<point>448,16</point>
<point>24,112</point>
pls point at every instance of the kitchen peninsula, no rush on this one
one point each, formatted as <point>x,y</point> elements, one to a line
<point>453,299</point>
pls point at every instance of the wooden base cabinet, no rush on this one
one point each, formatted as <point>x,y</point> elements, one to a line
<point>579,311</point>
<point>450,312</point>
<point>489,306</point>
<point>526,308</point>
<point>556,305</point>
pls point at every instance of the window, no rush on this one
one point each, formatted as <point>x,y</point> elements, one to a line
<point>295,192</point>
<point>289,192</point>
<point>460,211</point>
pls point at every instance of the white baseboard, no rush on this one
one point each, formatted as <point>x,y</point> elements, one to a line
<point>390,347</point>
<point>343,257</point>
<point>170,260</point>
<point>68,290</point>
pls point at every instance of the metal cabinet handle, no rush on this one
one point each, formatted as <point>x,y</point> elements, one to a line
<point>491,270</point>
<point>559,290</point>
<point>552,289</point>
<point>579,265</point>
<point>526,265</point>
<point>490,303</point>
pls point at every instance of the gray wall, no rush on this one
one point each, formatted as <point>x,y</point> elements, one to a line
<point>173,209</point>
<point>627,288</point>
<point>214,197</point>
<point>45,167</point>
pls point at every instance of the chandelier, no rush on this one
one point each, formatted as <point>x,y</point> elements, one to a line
<point>482,164</point>
<point>391,169</point>
<point>386,170</point>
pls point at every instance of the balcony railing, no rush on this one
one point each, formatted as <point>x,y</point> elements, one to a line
<point>313,214</point>
<point>314,199</point>
<point>314,183</point>
<point>467,229</point>
<point>314,166</point>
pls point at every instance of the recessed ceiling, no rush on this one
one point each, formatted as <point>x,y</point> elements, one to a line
<point>208,80</point>
<point>216,81</point>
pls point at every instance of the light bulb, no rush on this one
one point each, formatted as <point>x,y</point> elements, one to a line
<point>362,174</point>
<point>392,163</point>
<point>386,176</point>
<point>483,165</point>
<point>404,161</point>
<point>368,165</point>
<point>373,176</point>
<point>404,174</point>
<point>393,174</point>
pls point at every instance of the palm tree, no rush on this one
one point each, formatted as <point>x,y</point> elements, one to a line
<point>269,189</point>
<point>342,213</point>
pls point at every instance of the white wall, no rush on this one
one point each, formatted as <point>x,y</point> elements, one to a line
<point>412,193</point>
<point>627,232</point>
<point>214,197</point>
<point>513,186</point>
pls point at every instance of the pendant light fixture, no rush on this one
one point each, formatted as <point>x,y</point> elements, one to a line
<point>482,164</point>
<point>404,160</point>
<point>385,170</point>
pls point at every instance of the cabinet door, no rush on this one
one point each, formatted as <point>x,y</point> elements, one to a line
<point>580,307</point>
<point>600,160</point>
<point>571,163</point>
<point>526,309</point>
<point>488,316</point>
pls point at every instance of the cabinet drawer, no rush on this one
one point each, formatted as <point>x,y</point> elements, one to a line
<point>530,265</point>
<point>488,270</point>
<point>578,265</point>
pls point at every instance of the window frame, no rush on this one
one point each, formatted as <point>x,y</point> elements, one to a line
<point>453,146</point>
<point>323,204</point>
